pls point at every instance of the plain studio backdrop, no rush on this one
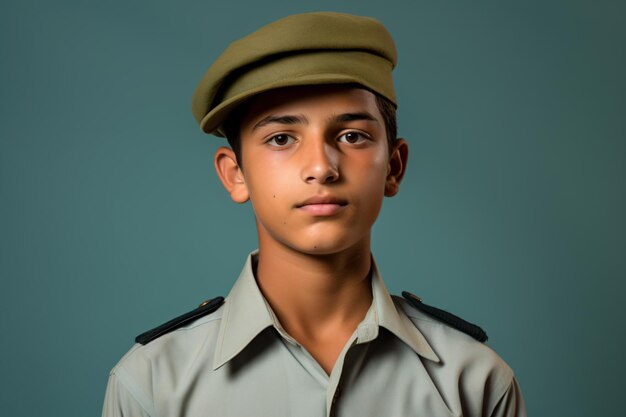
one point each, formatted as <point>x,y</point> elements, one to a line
<point>512,214</point>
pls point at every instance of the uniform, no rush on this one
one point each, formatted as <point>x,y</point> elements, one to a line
<point>239,361</point>
<point>235,358</point>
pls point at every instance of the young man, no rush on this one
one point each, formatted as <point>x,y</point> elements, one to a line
<point>309,329</point>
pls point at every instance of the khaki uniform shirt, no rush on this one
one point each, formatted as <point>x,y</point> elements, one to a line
<point>239,361</point>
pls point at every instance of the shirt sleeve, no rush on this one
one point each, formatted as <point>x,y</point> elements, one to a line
<point>511,404</point>
<point>120,402</point>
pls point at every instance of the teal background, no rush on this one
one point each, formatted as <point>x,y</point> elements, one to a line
<point>511,215</point>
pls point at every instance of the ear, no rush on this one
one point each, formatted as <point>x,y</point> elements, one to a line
<point>231,174</point>
<point>397,167</point>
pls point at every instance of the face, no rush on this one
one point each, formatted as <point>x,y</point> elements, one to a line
<point>316,166</point>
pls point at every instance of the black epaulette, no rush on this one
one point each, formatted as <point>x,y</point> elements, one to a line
<point>450,319</point>
<point>203,309</point>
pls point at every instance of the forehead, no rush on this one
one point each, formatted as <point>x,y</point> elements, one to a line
<point>325,99</point>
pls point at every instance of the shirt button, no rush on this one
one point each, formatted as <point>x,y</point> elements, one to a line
<point>337,395</point>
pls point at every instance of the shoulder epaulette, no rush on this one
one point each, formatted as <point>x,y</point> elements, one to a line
<point>203,309</point>
<point>450,319</point>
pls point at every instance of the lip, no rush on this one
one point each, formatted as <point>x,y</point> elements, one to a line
<point>322,205</point>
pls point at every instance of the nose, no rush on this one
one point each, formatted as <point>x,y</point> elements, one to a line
<point>320,162</point>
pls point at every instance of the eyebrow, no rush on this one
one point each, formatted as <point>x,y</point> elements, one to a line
<point>288,119</point>
<point>350,117</point>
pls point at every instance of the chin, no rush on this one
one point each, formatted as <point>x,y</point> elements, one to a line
<point>320,250</point>
<point>326,246</point>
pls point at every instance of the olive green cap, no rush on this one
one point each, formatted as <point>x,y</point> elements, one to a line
<point>303,49</point>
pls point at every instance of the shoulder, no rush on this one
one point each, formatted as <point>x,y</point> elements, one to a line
<point>171,353</point>
<point>470,375</point>
<point>461,355</point>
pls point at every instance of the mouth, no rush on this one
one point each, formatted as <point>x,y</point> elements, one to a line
<point>322,205</point>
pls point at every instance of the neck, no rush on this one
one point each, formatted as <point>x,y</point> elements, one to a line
<point>315,295</point>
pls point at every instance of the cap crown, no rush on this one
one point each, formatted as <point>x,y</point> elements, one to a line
<point>303,49</point>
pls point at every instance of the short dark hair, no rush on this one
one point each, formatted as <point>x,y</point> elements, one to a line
<point>233,123</point>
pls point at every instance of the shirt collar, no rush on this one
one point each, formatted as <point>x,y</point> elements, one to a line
<point>385,313</point>
<point>246,314</point>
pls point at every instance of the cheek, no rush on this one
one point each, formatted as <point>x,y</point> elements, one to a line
<point>373,180</point>
<point>374,169</point>
<point>267,190</point>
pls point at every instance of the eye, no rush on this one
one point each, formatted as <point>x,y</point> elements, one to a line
<point>353,137</point>
<point>280,140</point>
